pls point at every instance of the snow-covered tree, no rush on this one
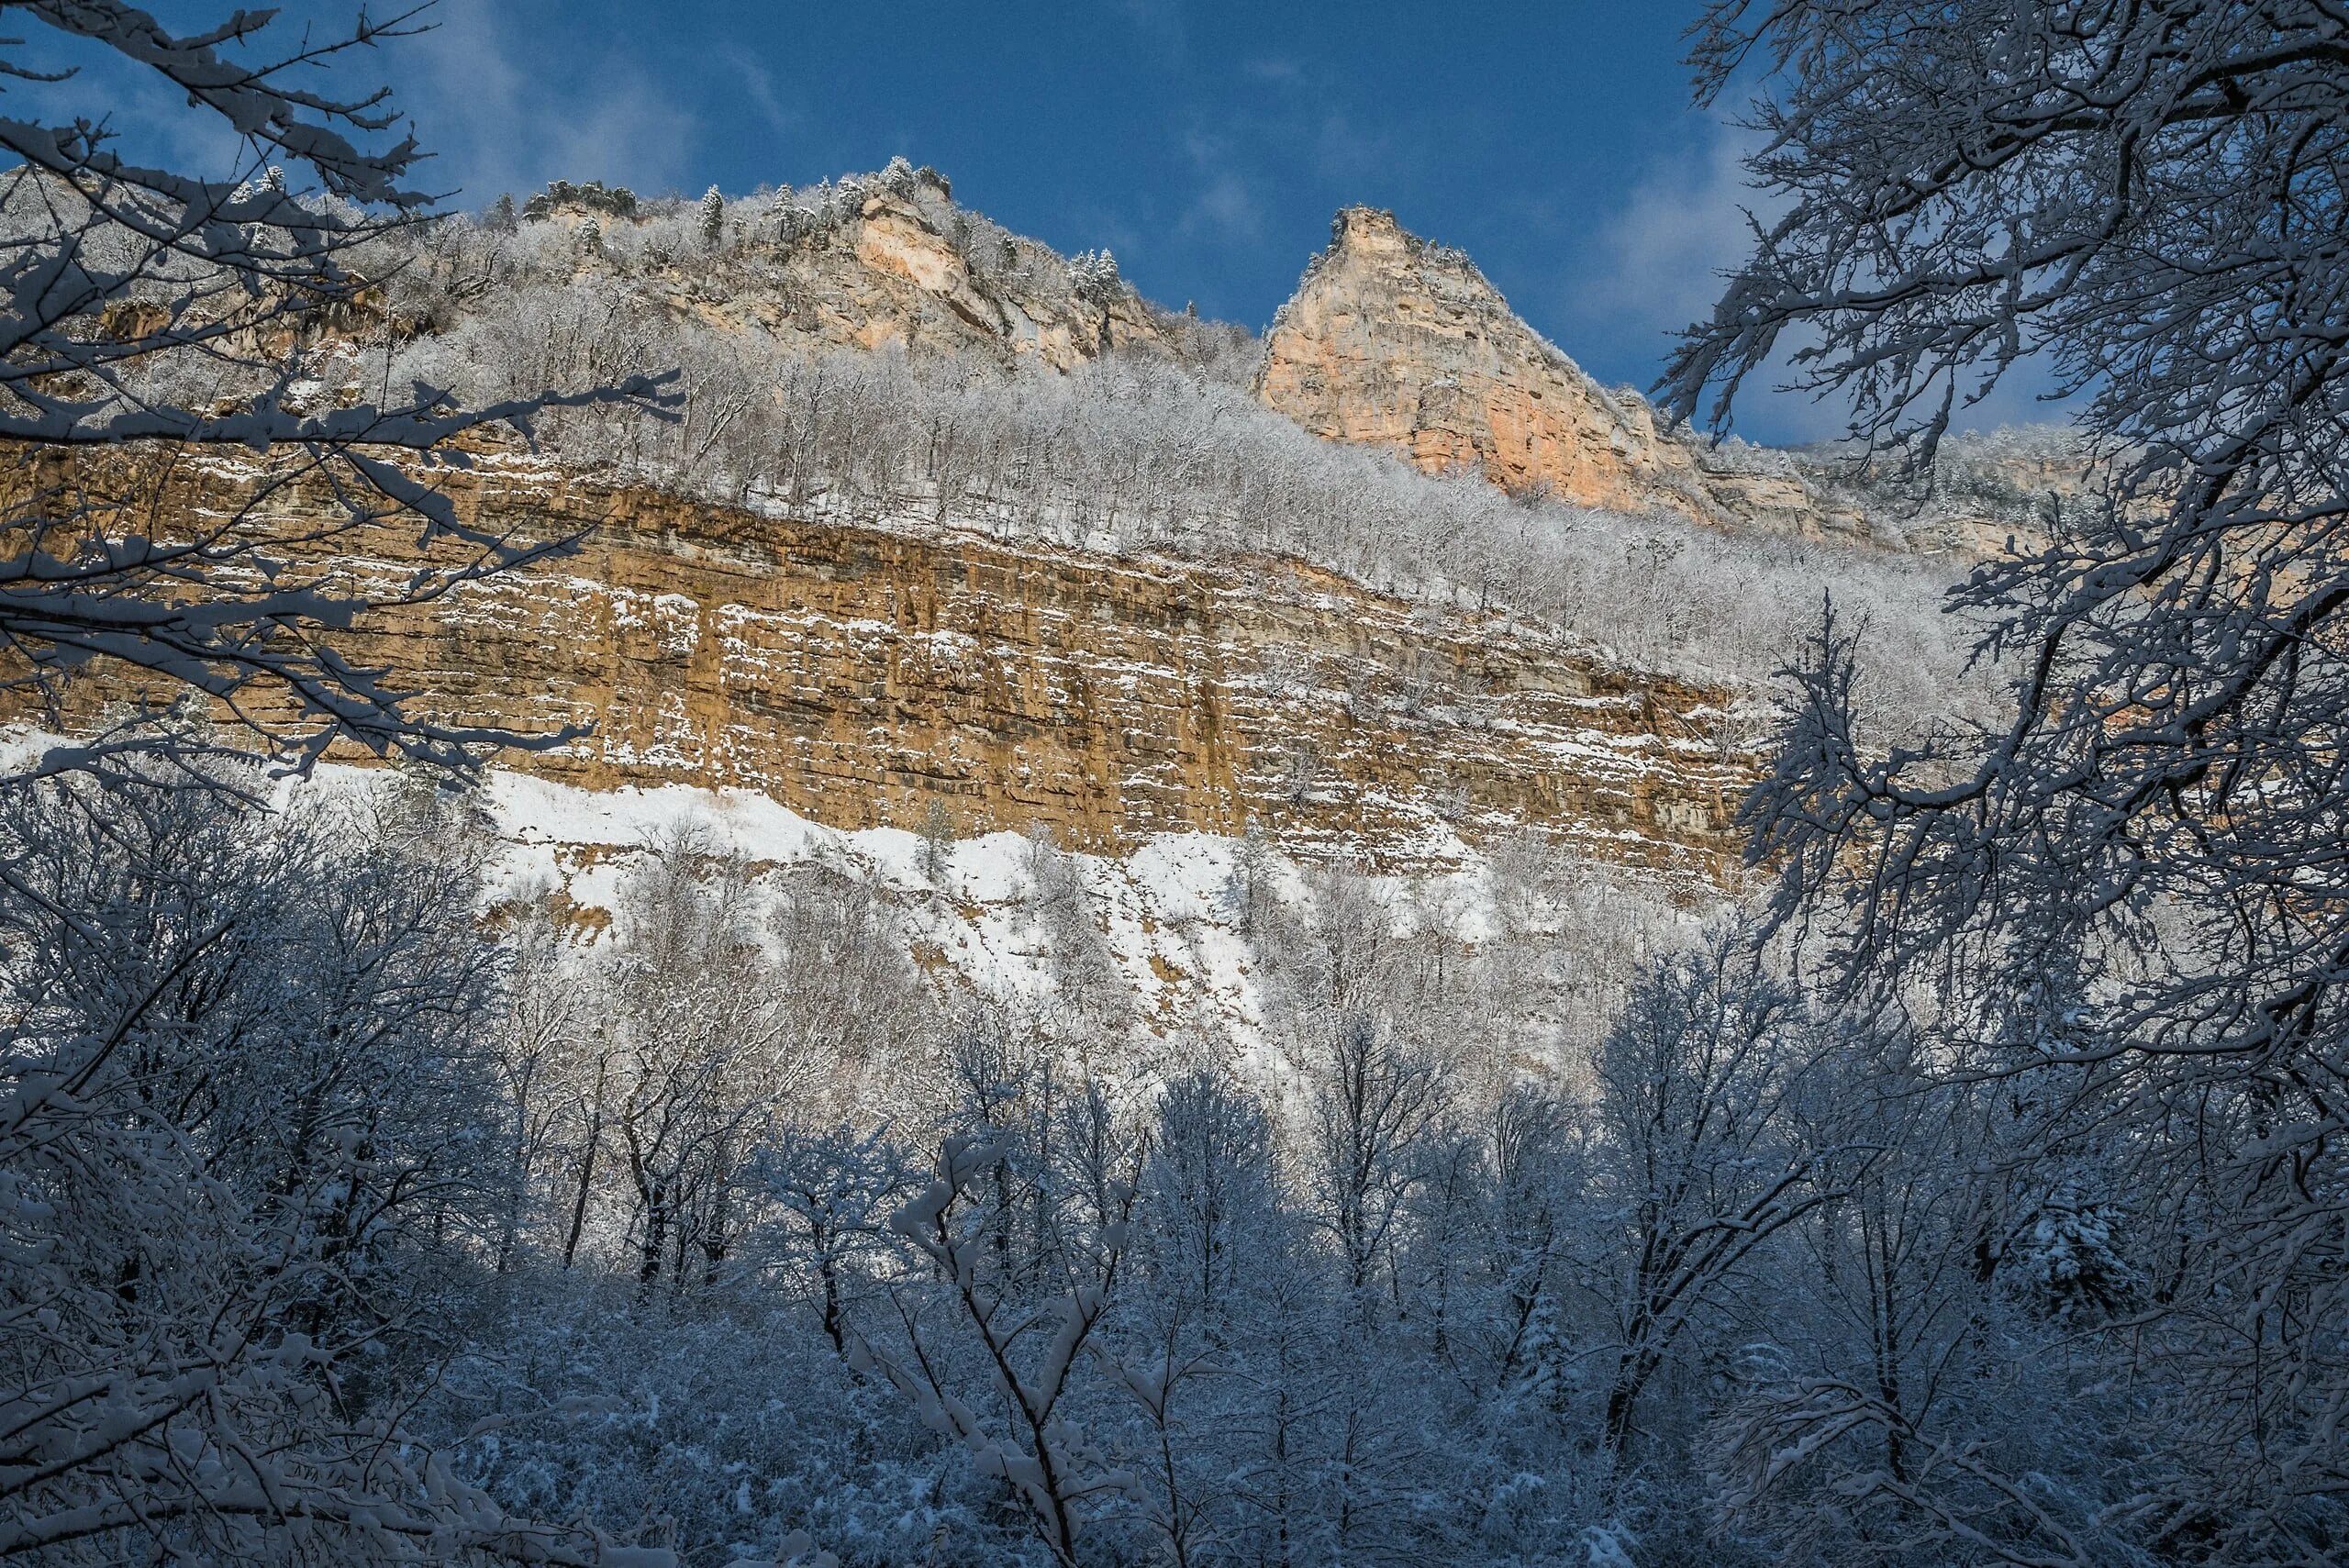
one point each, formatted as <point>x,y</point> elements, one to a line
<point>1374,1101</point>
<point>706,1061</point>
<point>1907,1400</point>
<point>241,1086</point>
<point>836,1189</point>
<point>1082,971</point>
<point>2139,201</point>
<point>937,841</point>
<point>144,312</point>
<point>1700,1161</point>
<point>1095,276</point>
<point>1054,1468</point>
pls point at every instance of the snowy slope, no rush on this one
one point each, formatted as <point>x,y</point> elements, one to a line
<point>1168,914</point>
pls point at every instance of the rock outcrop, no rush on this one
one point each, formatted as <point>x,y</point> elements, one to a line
<point>863,677</point>
<point>1394,341</point>
<point>900,271</point>
<point>882,259</point>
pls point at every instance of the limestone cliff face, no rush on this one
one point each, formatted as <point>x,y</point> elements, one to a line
<point>860,676</point>
<point>1393,341</point>
<point>898,271</point>
<point>891,262</point>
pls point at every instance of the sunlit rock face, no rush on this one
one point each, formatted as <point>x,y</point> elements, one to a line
<point>897,273</point>
<point>1392,340</point>
<point>869,677</point>
<point>1395,341</point>
<point>908,267</point>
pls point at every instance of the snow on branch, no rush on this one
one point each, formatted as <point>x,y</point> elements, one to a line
<point>144,310</point>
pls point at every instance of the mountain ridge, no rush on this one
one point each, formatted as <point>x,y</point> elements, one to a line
<point>1389,340</point>
<point>967,602</point>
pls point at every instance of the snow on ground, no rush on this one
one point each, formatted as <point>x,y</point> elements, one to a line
<point>1167,912</point>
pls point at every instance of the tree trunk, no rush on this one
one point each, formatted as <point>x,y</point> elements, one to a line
<point>579,1198</point>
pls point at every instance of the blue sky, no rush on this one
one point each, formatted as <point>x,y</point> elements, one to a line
<point>1208,143</point>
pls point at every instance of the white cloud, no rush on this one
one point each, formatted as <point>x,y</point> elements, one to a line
<point>1227,208</point>
<point>498,124</point>
<point>758,85</point>
<point>1657,266</point>
<point>1659,261</point>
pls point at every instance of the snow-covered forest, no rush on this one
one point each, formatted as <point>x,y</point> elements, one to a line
<point>734,1224</point>
<point>1972,1195</point>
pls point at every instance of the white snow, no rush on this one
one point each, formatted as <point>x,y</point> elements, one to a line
<point>1164,909</point>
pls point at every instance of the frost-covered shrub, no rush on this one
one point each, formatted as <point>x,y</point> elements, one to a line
<point>593,195</point>
<point>2069,1261</point>
<point>243,1170</point>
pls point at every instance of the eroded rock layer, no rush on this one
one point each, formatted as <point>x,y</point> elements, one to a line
<point>863,677</point>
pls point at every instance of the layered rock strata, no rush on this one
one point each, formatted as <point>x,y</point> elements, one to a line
<point>864,677</point>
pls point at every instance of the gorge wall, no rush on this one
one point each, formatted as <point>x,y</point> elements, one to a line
<point>864,677</point>
<point>908,674</point>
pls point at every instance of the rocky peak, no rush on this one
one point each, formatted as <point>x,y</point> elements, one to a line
<point>1395,342</point>
<point>907,268</point>
<point>860,261</point>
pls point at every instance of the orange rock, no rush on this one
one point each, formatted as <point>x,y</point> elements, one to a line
<point>1393,341</point>
<point>858,676</point>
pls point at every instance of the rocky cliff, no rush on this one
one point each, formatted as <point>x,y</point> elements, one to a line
<point>888,671</point>
<point>871,260</point>
<point>1394,341</point>
<point>1397,342</point>
<point>870,676</point>
<point>1389,340</point>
